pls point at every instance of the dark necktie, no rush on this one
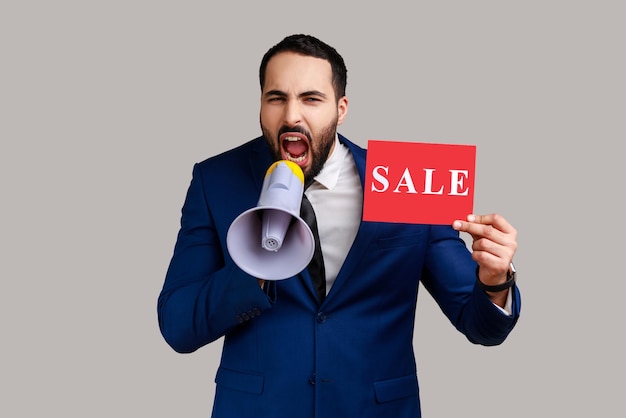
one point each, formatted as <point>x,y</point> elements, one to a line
<point>316,265</point>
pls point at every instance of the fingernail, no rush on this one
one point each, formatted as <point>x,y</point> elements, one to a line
<point>471,218</point>
<point>457,224</point>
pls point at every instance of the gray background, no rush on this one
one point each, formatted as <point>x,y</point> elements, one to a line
<point>106,105</point>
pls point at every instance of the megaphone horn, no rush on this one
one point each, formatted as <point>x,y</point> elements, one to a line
<point>271,241</point>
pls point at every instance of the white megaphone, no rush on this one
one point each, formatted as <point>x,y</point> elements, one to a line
<point>271,241</point>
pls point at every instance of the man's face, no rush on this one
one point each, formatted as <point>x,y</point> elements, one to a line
<point>299,111</point>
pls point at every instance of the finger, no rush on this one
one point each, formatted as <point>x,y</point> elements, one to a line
<point>489,239</point>
<point>491,226</point>
<point>489,261</point>
<point>476,230</point>
<point>488,246</point>
<point>493,219</point>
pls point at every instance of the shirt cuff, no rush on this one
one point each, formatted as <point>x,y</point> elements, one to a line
<point>507,310</point>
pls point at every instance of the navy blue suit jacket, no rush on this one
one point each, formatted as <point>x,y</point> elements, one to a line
<point>285,355</point>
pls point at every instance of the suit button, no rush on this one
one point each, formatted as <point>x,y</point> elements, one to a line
<point>312,379</point>
<point>239,318</point>
<point>245,316</point>
<point>321,317</point>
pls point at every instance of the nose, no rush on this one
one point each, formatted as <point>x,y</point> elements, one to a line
<point>293,114</point>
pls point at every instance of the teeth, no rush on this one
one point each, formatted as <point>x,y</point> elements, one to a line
<point>292,138</point>
<point>296,159</point>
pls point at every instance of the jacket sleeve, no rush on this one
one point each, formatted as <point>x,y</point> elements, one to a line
<point>450,277</point>
<point>204,296</point>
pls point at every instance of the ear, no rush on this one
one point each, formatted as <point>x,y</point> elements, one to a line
<point>342,109</point>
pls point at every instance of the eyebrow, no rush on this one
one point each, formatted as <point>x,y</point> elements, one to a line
<point>303,94</point>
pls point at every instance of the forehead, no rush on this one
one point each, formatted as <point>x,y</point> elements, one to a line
<point>291,72</point>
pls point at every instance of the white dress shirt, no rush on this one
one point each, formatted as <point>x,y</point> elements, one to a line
<point>337,198</point>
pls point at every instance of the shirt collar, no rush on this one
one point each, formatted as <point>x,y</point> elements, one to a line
<point>329,176</point>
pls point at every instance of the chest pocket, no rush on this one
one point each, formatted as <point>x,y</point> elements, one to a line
<point>402,239</point>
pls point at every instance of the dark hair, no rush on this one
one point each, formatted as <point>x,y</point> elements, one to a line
<point>310,46</point>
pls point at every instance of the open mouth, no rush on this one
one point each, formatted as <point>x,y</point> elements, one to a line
<point>295,147</point>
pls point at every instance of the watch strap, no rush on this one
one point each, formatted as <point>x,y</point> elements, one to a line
<point>511,276</point>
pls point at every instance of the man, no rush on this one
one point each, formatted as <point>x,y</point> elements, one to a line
<point>347,352</point>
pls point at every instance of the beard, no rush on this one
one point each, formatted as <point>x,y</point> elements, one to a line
<point>319,149</point>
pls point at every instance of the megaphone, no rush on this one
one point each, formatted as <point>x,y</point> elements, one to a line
<point>271,241</point>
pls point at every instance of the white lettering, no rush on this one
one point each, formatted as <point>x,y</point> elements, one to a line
<point>428,182</point>
<point>380,178</point>
<point>456,183</point>
<point>406,181</point>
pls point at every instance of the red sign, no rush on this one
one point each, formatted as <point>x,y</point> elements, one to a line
<point>419,183</point>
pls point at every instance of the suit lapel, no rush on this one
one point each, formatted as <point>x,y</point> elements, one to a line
<point>367,230</point>
<point>260,160</point>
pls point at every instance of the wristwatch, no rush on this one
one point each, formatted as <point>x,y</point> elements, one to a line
<point>511,276</point>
